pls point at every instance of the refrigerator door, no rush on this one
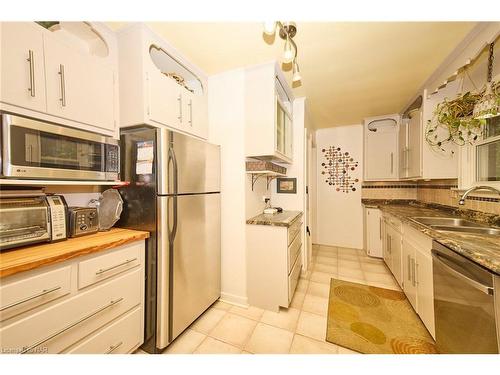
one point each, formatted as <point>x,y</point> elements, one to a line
<point>194,258</point>
<point>196,164</point>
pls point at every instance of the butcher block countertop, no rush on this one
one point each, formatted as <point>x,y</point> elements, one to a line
<point>30,257</point>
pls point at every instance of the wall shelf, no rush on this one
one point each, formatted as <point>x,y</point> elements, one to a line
<point>269,175</point>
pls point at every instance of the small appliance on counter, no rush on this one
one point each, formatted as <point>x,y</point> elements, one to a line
<point>28,217</point>
<point>268,210</point>
<point>82,221</point>
<point>109,208</point>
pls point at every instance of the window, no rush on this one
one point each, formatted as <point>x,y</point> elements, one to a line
<point>488,153</point>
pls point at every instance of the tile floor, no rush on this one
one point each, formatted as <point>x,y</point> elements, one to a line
<point>300,329</point>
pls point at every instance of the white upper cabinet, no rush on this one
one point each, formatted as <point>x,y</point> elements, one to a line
<point>22,80</point>
<point>158,85</point>
<point>269,119</point>
<point>410,146</point>
<point>381,148</point>
<point>68,74</point>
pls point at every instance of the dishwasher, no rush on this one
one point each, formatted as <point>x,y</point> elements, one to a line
<point>466,313</point>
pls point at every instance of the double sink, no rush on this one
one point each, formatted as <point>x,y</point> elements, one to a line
<point>451,224</point>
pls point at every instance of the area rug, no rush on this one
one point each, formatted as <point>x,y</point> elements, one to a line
<point>375,320</point>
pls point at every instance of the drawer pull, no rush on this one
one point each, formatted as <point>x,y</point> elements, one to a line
<point>86,317</point>
<point>42,293</point>
<point>102,270</point>
<point>112,348</point>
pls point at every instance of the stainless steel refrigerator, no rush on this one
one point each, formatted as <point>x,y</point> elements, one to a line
<point>174,193</point>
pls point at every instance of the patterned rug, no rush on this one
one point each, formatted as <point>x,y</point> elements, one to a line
<point>375,320</point>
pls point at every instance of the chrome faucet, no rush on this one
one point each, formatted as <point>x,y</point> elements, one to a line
<point>464,195</point>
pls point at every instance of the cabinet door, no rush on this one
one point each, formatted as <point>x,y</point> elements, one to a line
<point>280,128</point>
<point>198,115</point>
<point>403,148</point>
<point>409,278</point>
<point>425,289</point>
<point>22,66</point>
<point>374,232</point>
<point>414,152</point>
<point>381,155</point>
<point>63,71</point>
<point>387,246</point>
<point>165,100</point>
<point>288,136</point>
<point>397,255</point>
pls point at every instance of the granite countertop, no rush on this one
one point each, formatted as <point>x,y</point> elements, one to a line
<point>481,249</point>
<point>282,219</point>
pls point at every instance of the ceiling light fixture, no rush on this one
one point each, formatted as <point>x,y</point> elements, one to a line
<point>489,103</point>
<point>287,30</point>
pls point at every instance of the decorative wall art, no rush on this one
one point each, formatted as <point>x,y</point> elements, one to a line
<point>337,169</point>
<point>286,185</point>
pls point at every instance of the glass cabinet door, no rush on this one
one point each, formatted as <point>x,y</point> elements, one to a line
<point>488,153</point>
<point>288,136</point>
<point>280,128</point>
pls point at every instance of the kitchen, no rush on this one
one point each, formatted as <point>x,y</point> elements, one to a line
<point>156,198</point>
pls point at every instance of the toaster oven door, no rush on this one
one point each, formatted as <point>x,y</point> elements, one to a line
<point>24,221</point>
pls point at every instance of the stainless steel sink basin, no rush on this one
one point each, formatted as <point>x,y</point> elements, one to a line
<point>446,221</point>
<point>464,229</point>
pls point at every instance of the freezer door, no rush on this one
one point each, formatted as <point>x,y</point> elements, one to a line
<point>187,165</point>
<point>195,259</point>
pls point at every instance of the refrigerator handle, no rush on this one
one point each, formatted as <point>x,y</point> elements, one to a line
<point>171,156</point>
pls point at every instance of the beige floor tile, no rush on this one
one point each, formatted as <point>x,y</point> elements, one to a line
<point>307,274</point>
<point>222,305</point>
<point>346,256</point>
<point>285,318</point>
<point>315,304</point>
<point>298,300</point>
<point>185,343</point>
<point>379,277</point>
<point>319,289</point>
<point>351,279</point>
<point>350,272</point>
<point>208,320</point>
<point>327,248</point>
<point>312,325</point>
<point>327,253</point>
<point>322,277</point>
<point>306,345</point>
<point>267,339</point>
<point>234,329</point>
<point>375,268</point>
<point>213,346</point>
<point>302,285</point>
<point>326,260</point>
<point>326,268</point>
<point>343,350</point>
<point>250,312</point>
<point>350,264</point>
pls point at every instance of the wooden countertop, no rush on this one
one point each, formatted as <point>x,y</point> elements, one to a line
<point>31,257</point>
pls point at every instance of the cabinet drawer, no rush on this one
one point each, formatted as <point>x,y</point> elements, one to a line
<point>19,296</point>
<point>293,278</point>
<point>293,230</point>
<point>102,267</point>
<point>293,250</point>
<point>119,337</point>
<point>56,328</point>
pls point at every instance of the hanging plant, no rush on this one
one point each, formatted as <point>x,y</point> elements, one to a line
<point>453,122</point>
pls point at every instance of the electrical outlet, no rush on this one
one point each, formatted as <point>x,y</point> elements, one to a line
<point>265,199</point>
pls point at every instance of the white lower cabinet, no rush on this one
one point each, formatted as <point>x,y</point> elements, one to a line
<point>104,317</point>
<point>373,232</point>
<point>274,264</point>
<point>392,247</point>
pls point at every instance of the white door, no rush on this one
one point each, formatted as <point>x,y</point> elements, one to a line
<point>374,232</point>
<point>165,100</point>
<point>63,71</point>
<point>381,159</point>
<point>409,278</point>
<point>414,144</point>
<point>425,289</point>
<point>22,65</point>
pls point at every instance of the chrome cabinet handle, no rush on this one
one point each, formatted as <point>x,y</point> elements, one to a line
<point>40,294</point>
<point>380,228</point>
<point>102,270</point>
<point>413,272</point>
<point>392,162</point>
<point>409,267</point>
<point>86,317</point>
<point>416,273</point>
<point>190,104</point>
<point>475,284</point>
<point>31,60</point>
<point>63,85</point>
<point>179,99</point>
<point>112,348</point>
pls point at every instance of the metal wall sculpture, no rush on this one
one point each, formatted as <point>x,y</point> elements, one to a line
<point>337,167</point>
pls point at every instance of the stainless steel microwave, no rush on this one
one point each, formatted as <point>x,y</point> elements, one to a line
<point>33,149</point>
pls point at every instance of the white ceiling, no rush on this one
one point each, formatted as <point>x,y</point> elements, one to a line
<point>350,70</point>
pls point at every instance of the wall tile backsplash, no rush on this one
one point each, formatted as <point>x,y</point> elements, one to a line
<point>435,191</point>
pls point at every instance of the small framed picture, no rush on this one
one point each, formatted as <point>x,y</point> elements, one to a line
<point>285,185</point>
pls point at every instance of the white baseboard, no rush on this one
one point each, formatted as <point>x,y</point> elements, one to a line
<point>234,299</point>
